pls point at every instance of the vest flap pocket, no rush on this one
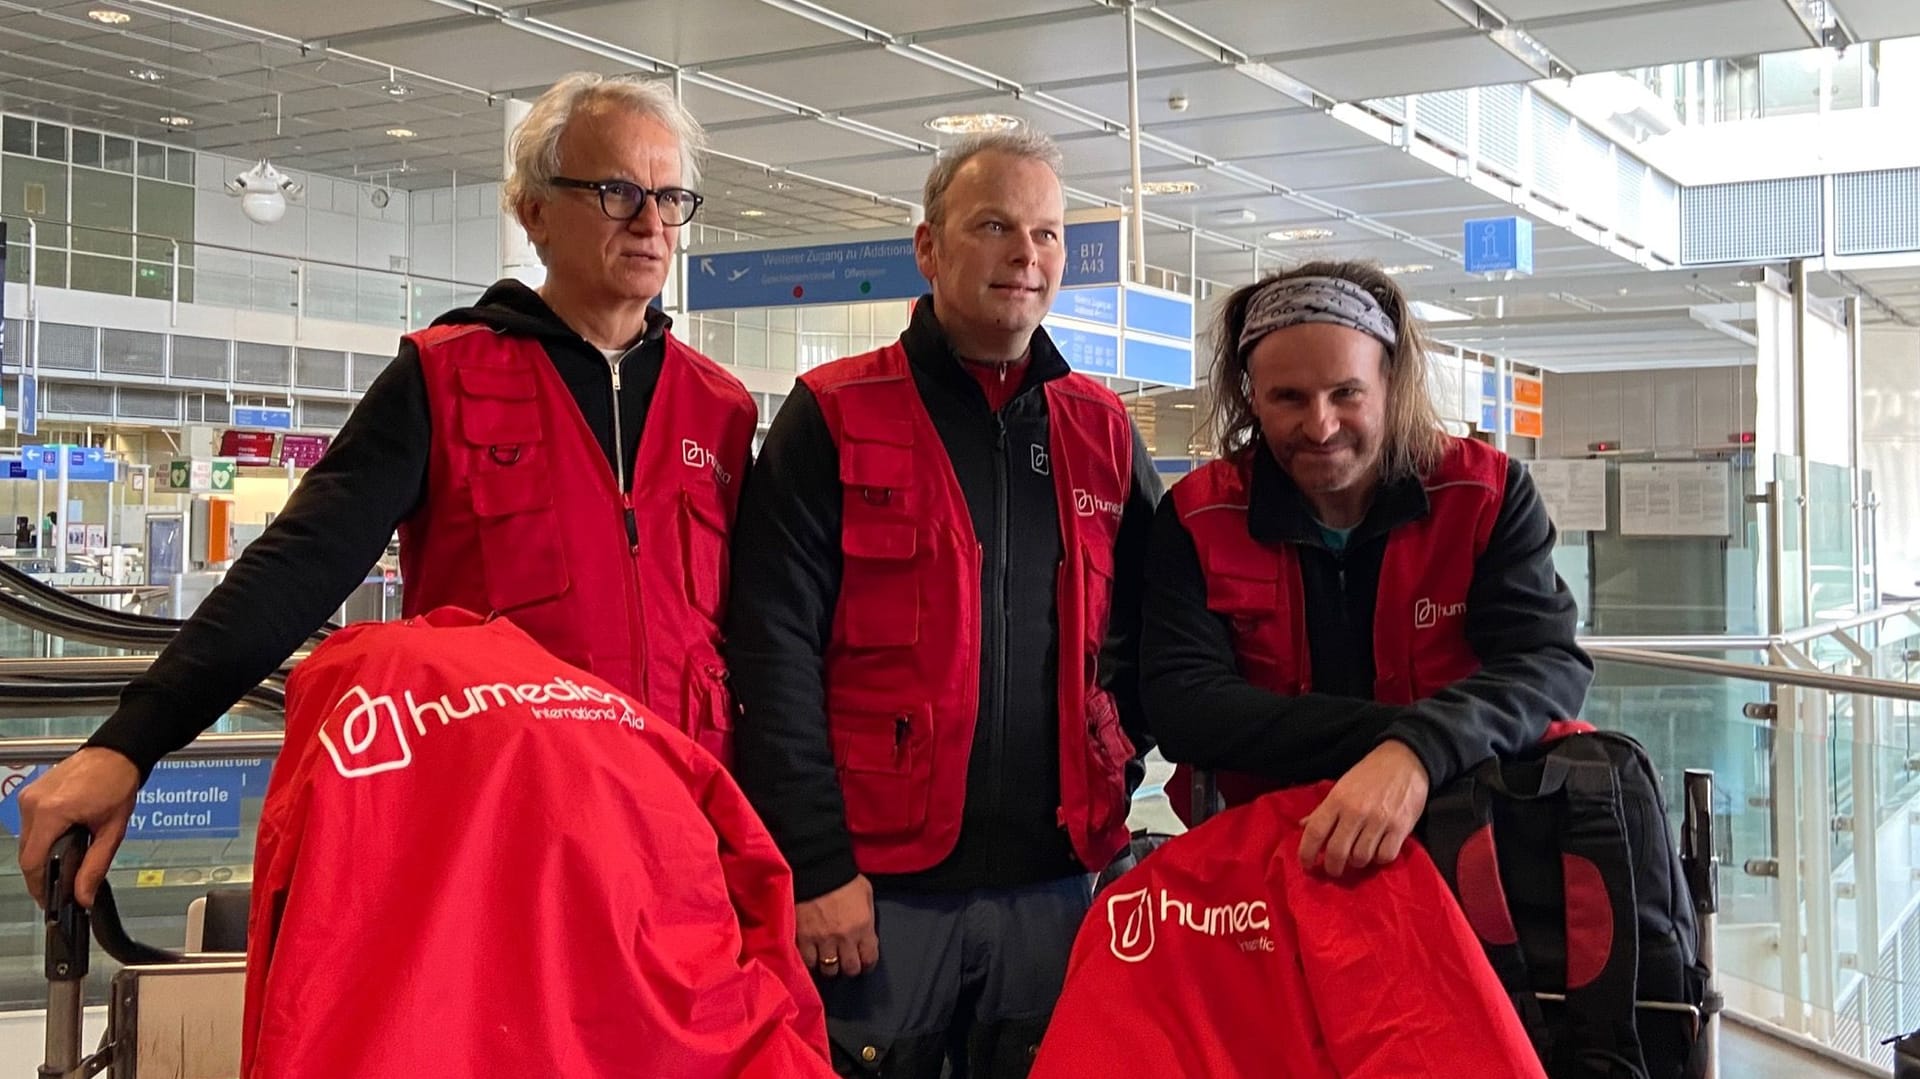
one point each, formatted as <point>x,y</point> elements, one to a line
<point>881,540</point>
<point>1246,596</point>
<point>504,427</point>
<point>884,758</point>
<point>863,427</point>
<point>499,383</point>
<point>503,492</point>
<point>526,562</point>
<point>875,464</point>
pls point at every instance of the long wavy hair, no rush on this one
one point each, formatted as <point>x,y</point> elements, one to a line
<point>1415,441</point>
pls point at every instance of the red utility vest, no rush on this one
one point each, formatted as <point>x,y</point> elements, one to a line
<point>1419,615</point>
<point>903,661</point>
<point>524,518</point>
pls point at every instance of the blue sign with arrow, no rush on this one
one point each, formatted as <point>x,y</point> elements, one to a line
<point>272,419</point>
<point>83,462</point>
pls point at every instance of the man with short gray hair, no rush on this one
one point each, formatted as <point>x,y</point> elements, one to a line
<point>555,456</point>
<point>936,587</point>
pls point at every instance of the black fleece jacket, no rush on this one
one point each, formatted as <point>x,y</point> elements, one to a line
<point>786,580</point>
<point>338,522</point>
<point>1520,621</point>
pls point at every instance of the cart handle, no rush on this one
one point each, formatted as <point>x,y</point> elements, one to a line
<point>63,867</point>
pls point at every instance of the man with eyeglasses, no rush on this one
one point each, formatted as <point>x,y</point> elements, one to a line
<point>553,455</point>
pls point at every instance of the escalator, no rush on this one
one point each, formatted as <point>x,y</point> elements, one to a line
<point>199,810</point>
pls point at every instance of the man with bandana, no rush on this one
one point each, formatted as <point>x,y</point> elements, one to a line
<point>1348,593</point>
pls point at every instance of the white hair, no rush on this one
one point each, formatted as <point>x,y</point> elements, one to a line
<point>535,147</point>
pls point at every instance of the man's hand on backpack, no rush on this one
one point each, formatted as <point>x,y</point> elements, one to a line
<point>1369,813</point>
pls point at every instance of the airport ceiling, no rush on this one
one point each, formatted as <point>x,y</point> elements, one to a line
<point>818,109</point>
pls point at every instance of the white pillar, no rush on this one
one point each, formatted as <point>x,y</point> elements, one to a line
<point>517,257</point>
<point>60,531</point>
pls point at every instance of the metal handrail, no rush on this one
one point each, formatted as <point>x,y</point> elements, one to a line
<point>1757,672</point>
<point>206,747</point>
<point>249,252</point>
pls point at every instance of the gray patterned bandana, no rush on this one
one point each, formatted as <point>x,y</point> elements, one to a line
<point>1295,300</point>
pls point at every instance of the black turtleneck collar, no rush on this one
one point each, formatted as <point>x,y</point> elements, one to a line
<point>1278,512</point>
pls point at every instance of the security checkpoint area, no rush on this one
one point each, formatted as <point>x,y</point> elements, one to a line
<point>1665,256</point>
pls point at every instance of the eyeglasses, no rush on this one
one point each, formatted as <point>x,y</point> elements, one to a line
<point>623,201</point>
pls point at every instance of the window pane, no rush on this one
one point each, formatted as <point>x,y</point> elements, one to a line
<point>104,201</point>
<point>50,141</point>
<point>180,166</point>
<point>38,188</point>
<point>153,161</point>
<point>119,154</point>
<point>94,274</point>
<point>164,210</point>
<point>86,148</point>
<point>16,135</point>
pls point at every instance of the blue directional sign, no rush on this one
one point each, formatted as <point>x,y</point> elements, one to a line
<point>1168,363</point>
<point>1086,349</point>
<point>1099,305</point>
<point>882,268</point>
<point>271,419</point>
<point>1162,313</point>
<point>83,462</point>
<point>1093,254</point>
<point>29,405</point>
<point>1499,244</point>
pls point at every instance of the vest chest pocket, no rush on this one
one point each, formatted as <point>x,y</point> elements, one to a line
<point>703,553</point>
<point>520,539</point>
<point>880,584</point>
<point>1096,582</point>
<point>884,758</point>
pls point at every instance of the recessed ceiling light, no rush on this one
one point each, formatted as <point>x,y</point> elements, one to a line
<point>1410,267</point>
<point>1291,235</point>
<point>1184,406</point>
<point>145,74</point>
<point>401,132</point>
<point>974,123</point>
<point>110,17</point>
<point>177,121</point>
<point>1166,187</point>
<point>753,213</point>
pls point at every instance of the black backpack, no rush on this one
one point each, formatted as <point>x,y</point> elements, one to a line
<point>1563,863</point>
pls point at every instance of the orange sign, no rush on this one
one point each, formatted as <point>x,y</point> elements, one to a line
<point>1529,392</point>
<point>1528,423</point>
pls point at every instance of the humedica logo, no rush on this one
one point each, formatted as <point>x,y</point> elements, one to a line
<point>1130,920</point>
<point>365,736</point>
<point>361,750</point>
<point>1132,916</point>
<point>694,455</point>
<point>1427,614</point>
<point>1085,503</point>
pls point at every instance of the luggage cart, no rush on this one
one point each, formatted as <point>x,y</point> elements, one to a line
<point>1698,861</point>
<point>169,1014</point>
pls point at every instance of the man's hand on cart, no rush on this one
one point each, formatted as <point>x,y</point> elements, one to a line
<point>95,787</point>
<point>1369,813</point>
<point>835,931</point>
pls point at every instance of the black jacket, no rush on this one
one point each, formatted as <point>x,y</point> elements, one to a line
<point>786,580</point>
<point>1520,621</point>
<point>338,522</point>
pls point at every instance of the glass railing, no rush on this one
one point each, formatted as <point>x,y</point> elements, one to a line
<point>48,254</point>
<point>1812,741</point>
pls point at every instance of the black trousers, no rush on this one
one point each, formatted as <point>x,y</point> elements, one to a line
<point>965,984</point>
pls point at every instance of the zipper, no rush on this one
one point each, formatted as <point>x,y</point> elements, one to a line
<point>1002,587</point>
<point>620,459</point>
